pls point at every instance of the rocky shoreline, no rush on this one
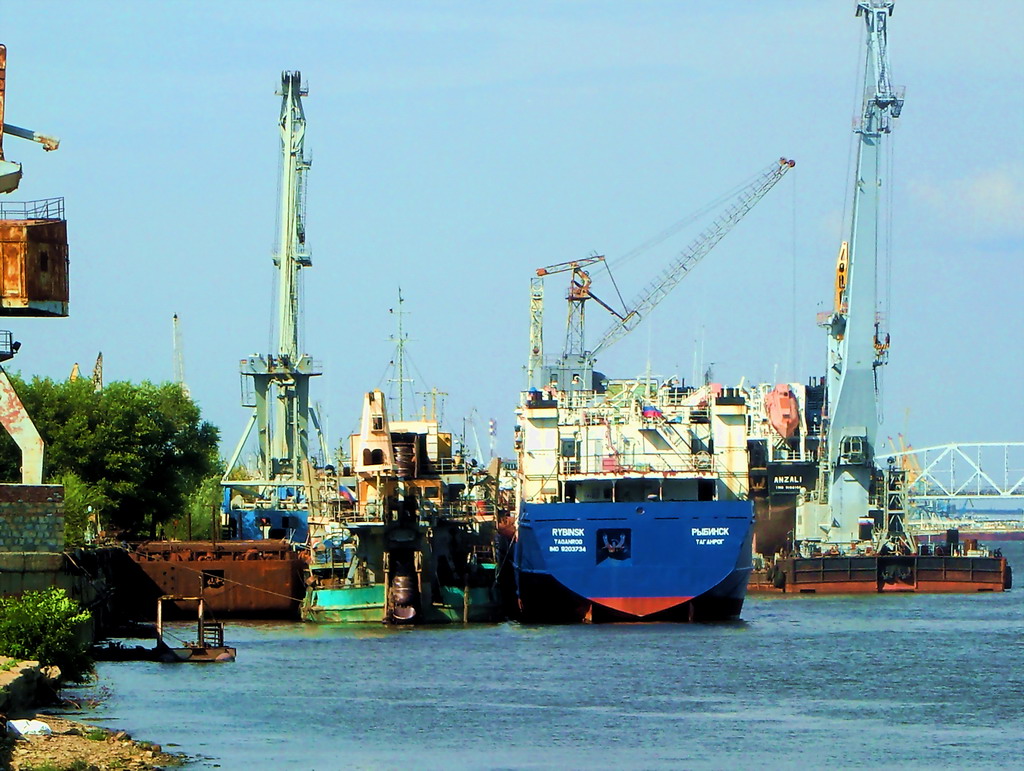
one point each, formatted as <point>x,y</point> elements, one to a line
<point>81,747</point>
<point>24,687</point>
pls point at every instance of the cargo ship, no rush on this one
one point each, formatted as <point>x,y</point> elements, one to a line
<point>415,542</point>
<point>632,500</point>
<point>631,495</point>
<point>889,548</point>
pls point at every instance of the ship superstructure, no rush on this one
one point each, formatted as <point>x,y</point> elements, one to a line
<point>785,442</point>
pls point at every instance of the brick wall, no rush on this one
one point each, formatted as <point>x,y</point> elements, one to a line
<point>31,518</point>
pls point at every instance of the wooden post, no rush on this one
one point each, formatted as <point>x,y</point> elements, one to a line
<point>159,622</point>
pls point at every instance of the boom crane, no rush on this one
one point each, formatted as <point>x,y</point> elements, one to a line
<point>670,277</point>
<point>854,349</point>
<point>577,295</point>
<point>574,371</point>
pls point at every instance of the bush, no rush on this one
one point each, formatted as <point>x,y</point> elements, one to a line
<point>46,627</point>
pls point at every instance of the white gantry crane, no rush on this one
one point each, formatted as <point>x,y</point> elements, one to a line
<point>855,348</point>
<point>278,383</point>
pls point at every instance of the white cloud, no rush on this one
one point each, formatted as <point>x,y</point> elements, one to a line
<point>989,199</point>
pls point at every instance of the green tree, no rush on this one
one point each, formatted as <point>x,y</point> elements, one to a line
<point>202,511</point>
<point>47,627</point>
<point>139,449</point>
<point>84,505</point>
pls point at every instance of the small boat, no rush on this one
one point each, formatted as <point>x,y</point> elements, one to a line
<point>209,644</point>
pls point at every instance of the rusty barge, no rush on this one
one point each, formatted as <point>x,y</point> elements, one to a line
<point>238,579</point>
<point>873,574</point>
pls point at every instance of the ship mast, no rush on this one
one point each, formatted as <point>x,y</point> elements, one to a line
<point>400,342</point>
<point>854,349</point>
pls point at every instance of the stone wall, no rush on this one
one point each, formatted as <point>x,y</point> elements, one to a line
<point>31,518</point>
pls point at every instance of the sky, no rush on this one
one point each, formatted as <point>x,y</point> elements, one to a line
<point>458,146</point>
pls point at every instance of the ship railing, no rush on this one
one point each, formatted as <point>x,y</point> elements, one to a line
<point>575,400</point>
<point>449,465</point>
<point>700,415</point>
<point>636,462</point>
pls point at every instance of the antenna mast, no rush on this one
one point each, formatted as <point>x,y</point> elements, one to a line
<point>400,342</point>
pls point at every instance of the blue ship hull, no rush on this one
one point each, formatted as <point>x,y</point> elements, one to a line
<point>638,561</point>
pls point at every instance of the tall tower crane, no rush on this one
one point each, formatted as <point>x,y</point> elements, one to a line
<point>179,355</point>
<point>855,350</point>
<point>280,380</point>
<point>576,364</point>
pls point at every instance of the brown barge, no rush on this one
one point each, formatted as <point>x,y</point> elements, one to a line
<point>240,579</point>
<point>872,574</point>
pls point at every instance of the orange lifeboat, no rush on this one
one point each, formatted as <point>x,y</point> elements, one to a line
<point>783,410</point>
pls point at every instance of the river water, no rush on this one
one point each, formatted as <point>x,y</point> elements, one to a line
<point>867,682</point>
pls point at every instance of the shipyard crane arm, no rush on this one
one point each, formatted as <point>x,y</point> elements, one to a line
<point>579,285</point>
<point>573,265</point>
<point>886,102</point>
<point>10,172</point>
<point>667,280</point>
<point>48,142</point>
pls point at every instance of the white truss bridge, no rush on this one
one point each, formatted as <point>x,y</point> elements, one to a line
<point>989,470</point>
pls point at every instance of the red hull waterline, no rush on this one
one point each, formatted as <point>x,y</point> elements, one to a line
<point>640,607</point>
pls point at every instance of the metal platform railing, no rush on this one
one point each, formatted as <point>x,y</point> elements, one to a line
<point>43,209</point>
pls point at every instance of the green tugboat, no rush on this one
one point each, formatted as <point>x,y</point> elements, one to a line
<point>415,543</point>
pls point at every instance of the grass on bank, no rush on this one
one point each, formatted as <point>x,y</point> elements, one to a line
<point>46,626</point>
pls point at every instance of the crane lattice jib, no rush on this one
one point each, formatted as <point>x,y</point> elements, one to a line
<point>667,280</point>
<point>887,101</point>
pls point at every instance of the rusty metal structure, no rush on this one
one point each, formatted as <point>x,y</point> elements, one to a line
<point>237,579</point>
<point>34,259</point>
<point>33,278</point>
